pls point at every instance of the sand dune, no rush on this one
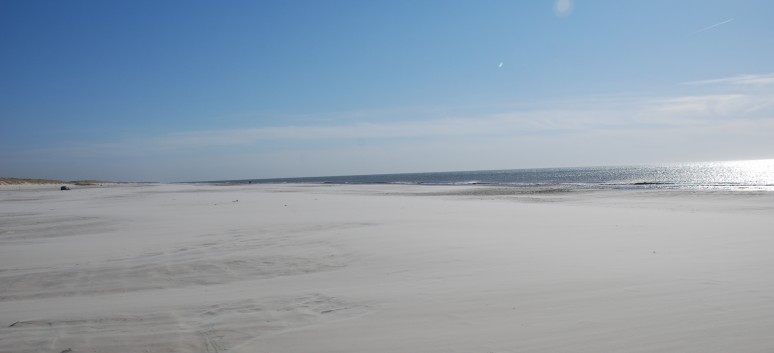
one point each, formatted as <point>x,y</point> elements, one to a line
<point>386,268</point>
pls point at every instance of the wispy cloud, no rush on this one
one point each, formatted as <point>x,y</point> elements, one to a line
<point>701,104</point>
<point>713,26</point>
<point>759,80</point>
<point>558,118</point>
<point>605,129</point>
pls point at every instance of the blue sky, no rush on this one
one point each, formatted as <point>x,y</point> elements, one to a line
<point>205,90</point>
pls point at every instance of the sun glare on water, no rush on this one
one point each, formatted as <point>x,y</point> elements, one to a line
<point>753,172</point>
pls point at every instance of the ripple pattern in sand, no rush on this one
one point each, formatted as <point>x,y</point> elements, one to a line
<point>206,328</point>
<point>242,257</point>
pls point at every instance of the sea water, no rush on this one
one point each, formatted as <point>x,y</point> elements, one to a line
<point>731,175</point>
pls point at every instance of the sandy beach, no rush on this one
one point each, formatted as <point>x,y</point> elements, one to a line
<point>384,268</point>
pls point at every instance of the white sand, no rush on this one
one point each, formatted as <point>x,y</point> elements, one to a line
<point>295,268</point>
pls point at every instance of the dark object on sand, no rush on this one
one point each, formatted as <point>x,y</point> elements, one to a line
<point>64,187</point>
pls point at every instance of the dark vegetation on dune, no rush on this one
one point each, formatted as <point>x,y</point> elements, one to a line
<point>20,181</point>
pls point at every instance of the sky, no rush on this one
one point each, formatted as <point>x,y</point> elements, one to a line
<point>221,90</point>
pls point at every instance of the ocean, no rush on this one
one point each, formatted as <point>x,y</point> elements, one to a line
<point>727,175</point>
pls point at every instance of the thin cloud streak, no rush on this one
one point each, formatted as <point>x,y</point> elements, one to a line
<point>759,80</point>
<point>713,26</point>
<point>554,119</point>
<point>563,119</point>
